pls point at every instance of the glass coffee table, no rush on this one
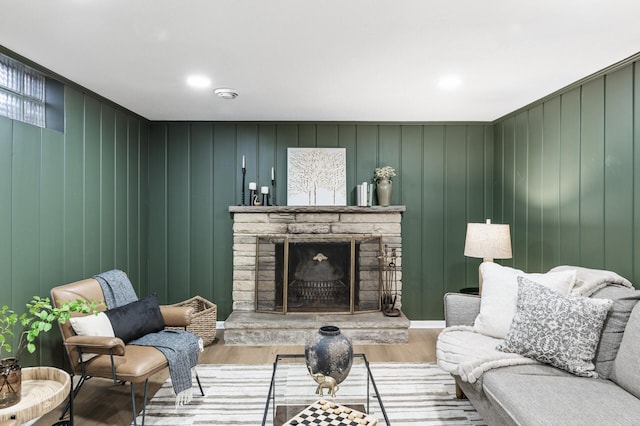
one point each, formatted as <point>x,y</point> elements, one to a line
<point>292,390</point>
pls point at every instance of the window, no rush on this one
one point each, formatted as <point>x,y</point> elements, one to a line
<point>22,92</point>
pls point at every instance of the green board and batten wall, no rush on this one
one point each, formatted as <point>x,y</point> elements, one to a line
<point>444,178</point>
<point>118,191</point>
<point>73,203</point>
<point>567,176</point>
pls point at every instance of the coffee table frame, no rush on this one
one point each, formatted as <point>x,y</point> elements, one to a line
<point>272,394</point>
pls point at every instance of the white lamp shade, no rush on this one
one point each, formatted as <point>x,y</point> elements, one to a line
<point>488,241</point>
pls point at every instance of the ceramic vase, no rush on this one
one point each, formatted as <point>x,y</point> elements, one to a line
<point>330,353</point>
<point>383,191</point>
<point>10,382</point>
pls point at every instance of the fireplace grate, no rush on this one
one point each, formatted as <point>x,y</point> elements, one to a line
<point>314,292</point>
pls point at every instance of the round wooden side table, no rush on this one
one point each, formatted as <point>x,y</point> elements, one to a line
<point>43,389</point>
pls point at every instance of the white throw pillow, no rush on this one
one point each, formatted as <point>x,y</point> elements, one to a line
<point>500,293</point>
<point>92,325</point>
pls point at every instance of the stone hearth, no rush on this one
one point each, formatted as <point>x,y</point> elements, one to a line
<point>245,326</point>
<point>257,329</point>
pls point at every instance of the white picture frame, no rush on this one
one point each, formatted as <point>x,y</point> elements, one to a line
<point>316,176</point>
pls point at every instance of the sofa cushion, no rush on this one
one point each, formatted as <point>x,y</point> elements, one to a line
<point>136,319</point>
<point>559,330</point>
<point>554,398</point>
<point>625,371</point>
<point>499,294</point>
<point>624,299</point>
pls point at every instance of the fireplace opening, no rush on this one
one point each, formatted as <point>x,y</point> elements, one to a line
<point>328,275</point>
<point>318,276</point>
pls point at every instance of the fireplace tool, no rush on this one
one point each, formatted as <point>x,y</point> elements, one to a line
<point>389,284</point>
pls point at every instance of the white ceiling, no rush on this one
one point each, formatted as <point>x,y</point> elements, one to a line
<point>334,60</point>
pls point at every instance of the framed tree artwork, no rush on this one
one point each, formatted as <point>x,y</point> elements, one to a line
<point>316,176</point>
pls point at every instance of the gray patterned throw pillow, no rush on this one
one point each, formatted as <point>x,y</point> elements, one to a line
<point>559,330</point>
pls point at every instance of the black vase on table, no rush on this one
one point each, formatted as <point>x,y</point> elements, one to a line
<point>330,353</point>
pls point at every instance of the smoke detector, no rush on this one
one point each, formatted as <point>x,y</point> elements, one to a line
<point>226,93</point>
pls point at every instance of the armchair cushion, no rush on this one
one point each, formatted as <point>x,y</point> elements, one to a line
<point>92,325</point>
<point>136,319</point>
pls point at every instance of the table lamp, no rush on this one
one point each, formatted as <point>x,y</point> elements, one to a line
<point>487,241</point>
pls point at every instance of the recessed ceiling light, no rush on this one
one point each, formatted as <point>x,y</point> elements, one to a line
<point>450,82</point>
<point>226,93</point>
<point>198,81</point>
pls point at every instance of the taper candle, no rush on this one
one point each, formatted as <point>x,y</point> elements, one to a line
<point>273,174</point>
<point>244,164</point>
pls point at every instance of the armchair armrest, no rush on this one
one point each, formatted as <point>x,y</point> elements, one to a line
<point>177,316</point>
<point>460,309</point>
<point>97,344</point>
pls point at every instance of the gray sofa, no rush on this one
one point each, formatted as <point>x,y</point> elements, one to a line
<point>544,395</point>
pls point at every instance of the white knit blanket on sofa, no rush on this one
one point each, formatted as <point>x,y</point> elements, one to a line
<point>464,352</point>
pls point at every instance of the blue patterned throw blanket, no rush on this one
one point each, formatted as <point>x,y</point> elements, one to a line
<point>180,347</point>
<point>117,288</point>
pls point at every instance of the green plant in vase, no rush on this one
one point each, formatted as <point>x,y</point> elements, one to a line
<point>38,318</point>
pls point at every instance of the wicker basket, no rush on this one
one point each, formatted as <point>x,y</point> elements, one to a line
<point>203,321</point>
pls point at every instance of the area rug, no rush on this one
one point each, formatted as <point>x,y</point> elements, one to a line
<point>412,394</point>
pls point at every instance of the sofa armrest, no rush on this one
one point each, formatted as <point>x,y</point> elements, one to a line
<point>460,309</point>
<point>177,316</point>
<point>97,344</point>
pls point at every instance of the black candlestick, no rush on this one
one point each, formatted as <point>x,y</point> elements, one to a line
<point>244,173</point>
<point>273,192</point>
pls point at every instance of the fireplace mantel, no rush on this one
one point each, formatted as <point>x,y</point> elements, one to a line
<point>316,209</point>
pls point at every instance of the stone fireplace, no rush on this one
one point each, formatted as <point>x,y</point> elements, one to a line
<point>296,268</point>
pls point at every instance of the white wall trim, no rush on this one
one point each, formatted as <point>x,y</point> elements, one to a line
<point>427,324</point>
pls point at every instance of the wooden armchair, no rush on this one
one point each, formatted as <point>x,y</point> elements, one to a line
<point>115,360</point>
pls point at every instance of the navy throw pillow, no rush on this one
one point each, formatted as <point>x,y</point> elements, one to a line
<point>136,319</point>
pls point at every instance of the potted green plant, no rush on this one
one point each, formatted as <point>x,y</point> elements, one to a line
<point>38,318</point>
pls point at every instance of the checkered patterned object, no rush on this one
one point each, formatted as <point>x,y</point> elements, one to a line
<point>324,413</point>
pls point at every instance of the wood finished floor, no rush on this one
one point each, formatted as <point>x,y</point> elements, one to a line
<point>101,403</point>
